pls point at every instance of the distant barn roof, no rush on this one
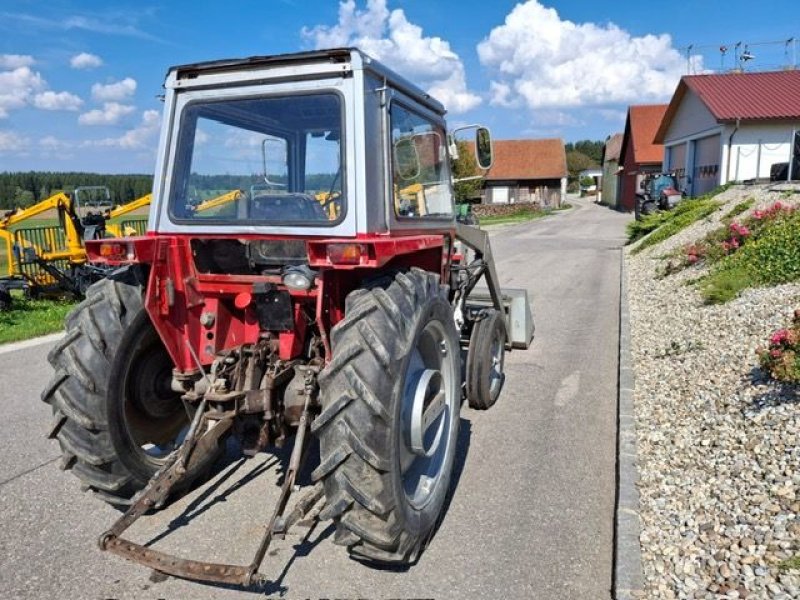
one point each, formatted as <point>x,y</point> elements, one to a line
<point>611,150</point>
<point>528,159</point>
<point>769,96</point>
<point>640,129</point>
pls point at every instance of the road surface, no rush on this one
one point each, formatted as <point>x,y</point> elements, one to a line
<point>531,515</point>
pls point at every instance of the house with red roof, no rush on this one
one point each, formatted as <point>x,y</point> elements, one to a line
<point>639,154</point>
<point>610,163</point>
<point>732,127</point>
<point>527,171</point>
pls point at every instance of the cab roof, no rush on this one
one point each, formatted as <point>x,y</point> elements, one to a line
<point>330,56</point>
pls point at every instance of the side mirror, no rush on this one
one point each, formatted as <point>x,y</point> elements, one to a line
<point>483,148</point>
<point>406,158</point>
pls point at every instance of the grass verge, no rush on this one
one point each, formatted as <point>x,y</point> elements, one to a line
<point>520,215</point>
<point>32,318</point>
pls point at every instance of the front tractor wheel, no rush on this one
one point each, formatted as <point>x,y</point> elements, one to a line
<point>116,417</point>
<point>389,425</point>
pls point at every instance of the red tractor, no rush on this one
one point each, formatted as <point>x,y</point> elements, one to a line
<point>330,295</point>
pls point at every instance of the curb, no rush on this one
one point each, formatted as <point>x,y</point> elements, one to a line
<point>37,341</point>
<point>628,574</point>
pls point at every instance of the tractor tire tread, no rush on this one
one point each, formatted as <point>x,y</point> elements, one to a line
<point>356,392</point>
<point>76,391</point>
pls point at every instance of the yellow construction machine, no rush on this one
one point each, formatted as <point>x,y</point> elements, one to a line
<point>44,244</point>
<point>117,227</point>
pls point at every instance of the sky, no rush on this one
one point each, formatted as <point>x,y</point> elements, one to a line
<point>80,80</point>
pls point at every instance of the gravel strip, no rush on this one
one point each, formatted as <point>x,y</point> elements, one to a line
<point>718,452</point>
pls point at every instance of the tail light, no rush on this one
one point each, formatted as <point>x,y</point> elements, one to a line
<point>116,251</point>
<point>346,254</point>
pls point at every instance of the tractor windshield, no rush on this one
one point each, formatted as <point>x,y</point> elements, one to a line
<point>275,160</point>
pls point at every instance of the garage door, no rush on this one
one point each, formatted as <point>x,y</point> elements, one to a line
<point>677,163</point>
<point>706,165</point>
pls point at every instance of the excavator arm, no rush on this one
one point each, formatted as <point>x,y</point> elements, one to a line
<point>119,229</point>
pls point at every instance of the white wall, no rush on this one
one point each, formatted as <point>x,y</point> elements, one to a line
<point>754,149</point>
<point>692,119</point>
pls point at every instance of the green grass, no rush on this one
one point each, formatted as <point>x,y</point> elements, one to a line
<point>737,210</point>
<point>772,259</point>
<point>790,564</point>
<point>676,220</point>
<point>660,226</point>
<point>32,318</point>
<point>518,216</point>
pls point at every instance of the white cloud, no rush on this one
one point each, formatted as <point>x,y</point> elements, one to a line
<point>17,87</point>
<point>15,61</point>
<point>52,143</point>
<point>110,114</point>
<point>12,142</point>
<point>84,60</point>
<point>57,101</point>
<point>543,61</point>
<point>391,38</point>
<point>114,92</point>
<point>143,136</point>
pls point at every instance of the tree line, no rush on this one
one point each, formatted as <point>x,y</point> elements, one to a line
<point>23,189</point>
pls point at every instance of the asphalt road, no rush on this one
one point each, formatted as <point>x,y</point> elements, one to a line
<point>530,517</point>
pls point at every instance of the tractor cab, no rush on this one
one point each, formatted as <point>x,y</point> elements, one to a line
<point>90,208</point>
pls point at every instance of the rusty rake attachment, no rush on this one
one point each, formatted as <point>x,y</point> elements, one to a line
<point>157,490</point>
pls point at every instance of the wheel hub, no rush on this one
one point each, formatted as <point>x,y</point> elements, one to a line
<point>429,403</point>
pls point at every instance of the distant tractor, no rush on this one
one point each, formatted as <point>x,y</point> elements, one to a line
<point>660,191</point>
<point>328,294</point>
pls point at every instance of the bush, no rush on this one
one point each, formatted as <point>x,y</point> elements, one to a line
<point>771,259</point>
<point>782,358</point>
<point>728,239</point>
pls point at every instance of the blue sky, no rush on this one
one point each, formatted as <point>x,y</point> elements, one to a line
<point>79,80</point>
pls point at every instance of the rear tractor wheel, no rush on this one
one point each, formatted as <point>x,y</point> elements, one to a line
<point>389,425</point>
<point>116,417</point>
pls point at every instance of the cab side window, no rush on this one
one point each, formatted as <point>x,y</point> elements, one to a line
<point>420,170</point>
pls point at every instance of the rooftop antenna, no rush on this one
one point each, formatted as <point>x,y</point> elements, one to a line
<point>722,51</point>
<point>736,65</point>
<point>746,55</point>
<point>689,59</point>
<point>793,42</point>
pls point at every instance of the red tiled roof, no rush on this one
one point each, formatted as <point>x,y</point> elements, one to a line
<point>773,95</point>
<point>528,159</point>
<point>640,129</point>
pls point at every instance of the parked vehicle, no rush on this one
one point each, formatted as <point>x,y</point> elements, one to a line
<point>660,191</point>
<point>276,316</point>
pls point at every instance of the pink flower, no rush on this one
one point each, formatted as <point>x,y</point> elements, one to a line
<point>758,215</point>
<point>779,337</point>
<point>775,353</point>
<point>692,258</point>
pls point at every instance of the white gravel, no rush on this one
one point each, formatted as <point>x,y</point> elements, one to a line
<point>718,443</point>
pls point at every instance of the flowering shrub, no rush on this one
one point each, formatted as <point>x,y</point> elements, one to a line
<point>726,240</point>
<point>782,358</point>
